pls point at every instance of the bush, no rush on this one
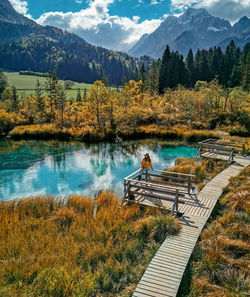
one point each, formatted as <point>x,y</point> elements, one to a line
<point>239,131</point>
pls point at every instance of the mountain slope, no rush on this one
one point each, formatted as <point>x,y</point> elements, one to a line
<point>196,28</point>
<point>25,45</point>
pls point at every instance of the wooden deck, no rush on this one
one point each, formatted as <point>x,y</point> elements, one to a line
<point>218,149</point>
<point>164,273</point>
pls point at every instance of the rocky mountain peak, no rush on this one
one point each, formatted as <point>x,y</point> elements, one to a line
<point>5,3</point>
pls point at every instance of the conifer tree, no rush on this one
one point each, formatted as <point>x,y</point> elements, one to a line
<point>15,99</point>
<point>39,96</point>
<point>142,77</point>
<point>61,102</point>
<point>78,96</point>
<point>85,94</point>
<point>51,85</point>
<point>163,74</point>
<point>3,83</point>
<point>153,79</point>
<point>245,67</point>
<point>189,62</point>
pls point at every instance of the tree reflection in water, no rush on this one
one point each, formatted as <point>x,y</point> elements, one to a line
<point>34,167</point>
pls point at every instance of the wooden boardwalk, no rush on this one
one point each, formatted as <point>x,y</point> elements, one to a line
<point>164,273</point>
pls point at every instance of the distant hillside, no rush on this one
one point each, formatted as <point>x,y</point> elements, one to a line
<point>196,28</point>
<point>25,45</point>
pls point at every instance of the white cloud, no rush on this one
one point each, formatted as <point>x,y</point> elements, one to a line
<point>20,6</point>
<point>97,26</point>
<point>231,10</point>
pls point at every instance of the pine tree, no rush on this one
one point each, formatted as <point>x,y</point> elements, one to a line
<point>39,96</point>
<point>245,67</point>
<point>51,85</point>
<point>163,73</point>
<point>61,102</point>
<point>229,62</point>
<point>15,99</point>
<point>217,64</point>
<point>142,77</point>
<point>153,79</point>
<point>85,94</point>
<point>189,62</point>
<point>3,83</point>
<point>78,96</point>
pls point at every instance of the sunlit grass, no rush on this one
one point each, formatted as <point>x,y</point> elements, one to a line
<point>223,268</point>
<point>55,247</point>
<point>203,170</point>
<point>51,131</point>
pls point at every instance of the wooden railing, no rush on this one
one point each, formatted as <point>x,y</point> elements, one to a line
<point>159,184</point>
<point>219,147</point>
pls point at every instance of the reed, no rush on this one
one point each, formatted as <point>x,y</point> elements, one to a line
<point>223,268</point>
<point>56,247</point>
<point>51,131</point>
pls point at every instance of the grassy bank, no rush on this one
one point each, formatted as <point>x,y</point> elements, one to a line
<point>220,262</point>
<point>50,131</point>
<point>204,169</point>
<point>26,84</point>
<point>49,247</point>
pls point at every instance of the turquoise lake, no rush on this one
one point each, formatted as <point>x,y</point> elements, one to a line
<point>31,167</point>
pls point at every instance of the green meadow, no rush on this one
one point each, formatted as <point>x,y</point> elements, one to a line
<point>25,84</point>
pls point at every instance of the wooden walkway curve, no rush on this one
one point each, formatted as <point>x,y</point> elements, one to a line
<point>164,273</point>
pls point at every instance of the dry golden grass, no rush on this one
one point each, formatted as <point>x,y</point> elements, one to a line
<point>223,269</point>
<point>54,247</point>
<point>204,170</point>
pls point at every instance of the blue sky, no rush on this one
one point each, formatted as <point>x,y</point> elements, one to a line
<point>125,8</point>
<point>118,24</point>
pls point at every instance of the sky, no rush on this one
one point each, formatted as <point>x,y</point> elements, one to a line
<point>118,24</point>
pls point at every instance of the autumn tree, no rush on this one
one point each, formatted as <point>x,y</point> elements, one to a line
<point>97,100</point>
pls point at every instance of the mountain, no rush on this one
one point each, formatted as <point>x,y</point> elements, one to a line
<point>26,45</point>
<point>196,28</point>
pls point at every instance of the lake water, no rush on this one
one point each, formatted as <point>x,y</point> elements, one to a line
<point>29,168</point>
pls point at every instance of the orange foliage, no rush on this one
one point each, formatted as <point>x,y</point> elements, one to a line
<point>56,247</point>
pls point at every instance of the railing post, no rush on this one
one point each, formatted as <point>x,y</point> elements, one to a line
<point>177,200</point>
<point>125,189</point>
<point>128,190</point>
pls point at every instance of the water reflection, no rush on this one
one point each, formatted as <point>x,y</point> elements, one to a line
<point>30,168</point>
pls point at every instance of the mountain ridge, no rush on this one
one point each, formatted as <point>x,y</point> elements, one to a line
<point>26,45</point>
<point>206,31</point>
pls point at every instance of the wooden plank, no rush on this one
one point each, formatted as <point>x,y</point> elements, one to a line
<point>164,273</point>
<point>155,196</point>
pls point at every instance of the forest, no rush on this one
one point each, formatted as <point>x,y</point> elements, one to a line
<point>207,91</point>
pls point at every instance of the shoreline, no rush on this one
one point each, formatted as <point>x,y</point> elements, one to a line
<point>90,135</point>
